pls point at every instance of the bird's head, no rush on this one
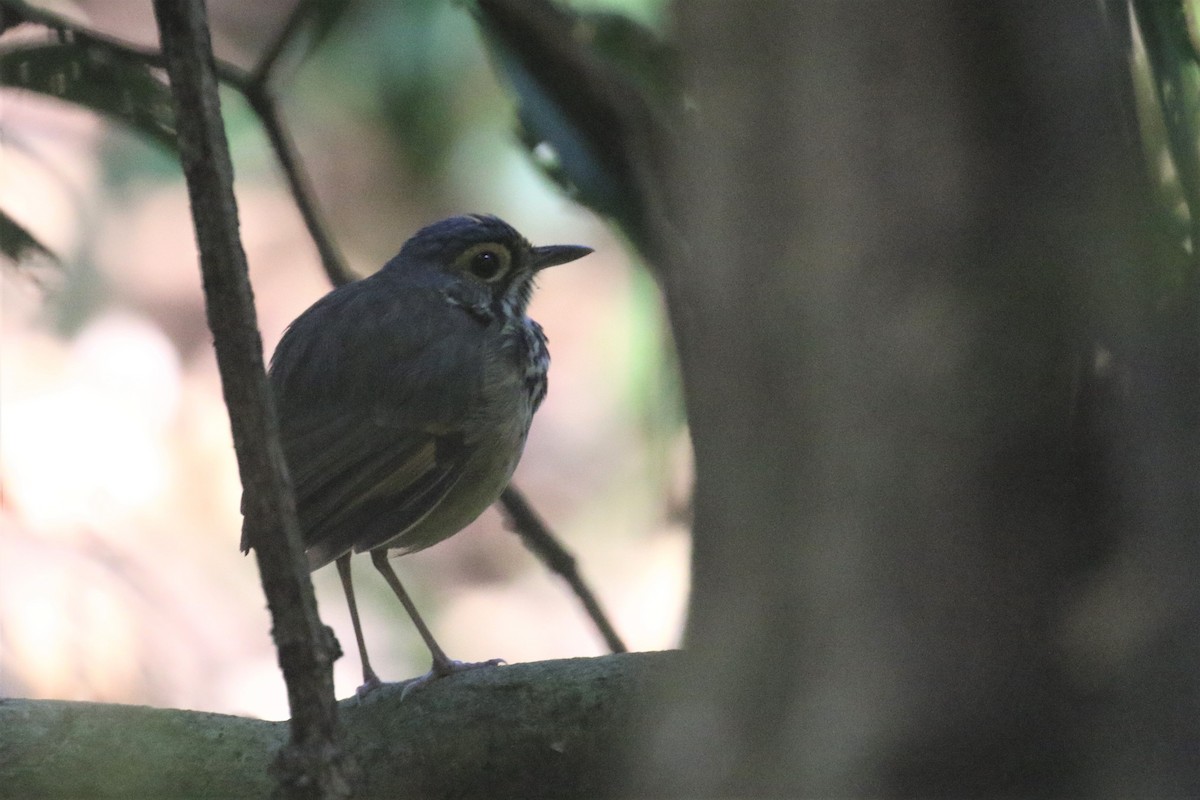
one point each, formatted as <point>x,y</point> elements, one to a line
<point>482,262</point>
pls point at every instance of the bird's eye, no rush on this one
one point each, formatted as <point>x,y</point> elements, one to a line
<point>487,261</point>
<point>485,264</point>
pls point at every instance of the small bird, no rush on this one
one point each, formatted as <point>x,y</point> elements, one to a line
<point>405,398</point>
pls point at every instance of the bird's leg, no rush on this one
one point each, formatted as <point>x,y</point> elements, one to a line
<point>370,679</point>
<point>442,664</point>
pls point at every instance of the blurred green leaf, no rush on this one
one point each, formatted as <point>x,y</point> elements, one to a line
<point>322,16</point>
<point>308,26</point>
<point>417,110</point>
<point>1176,72</point>
<point>411,68</point>
<point>419,72</point>
<point>1191,13</point>
<point>18,244</point>
<point>95,76</point>
<point>588,122</point>
<point>636,50</point>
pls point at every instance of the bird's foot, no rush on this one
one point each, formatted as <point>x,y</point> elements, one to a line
<point>442,669</point>
<point>371,682</point>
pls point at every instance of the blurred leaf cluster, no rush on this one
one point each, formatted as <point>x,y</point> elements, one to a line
<point>1166,72</point>
<point>415,68</point>
<point>598,97</point>
<point>90,73</point>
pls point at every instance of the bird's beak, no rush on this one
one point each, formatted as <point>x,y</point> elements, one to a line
<point>554,254</point>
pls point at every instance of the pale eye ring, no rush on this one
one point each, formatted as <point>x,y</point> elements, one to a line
<point>488,261</point>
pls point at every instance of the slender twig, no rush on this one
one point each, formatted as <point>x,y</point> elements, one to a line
<point>262,102</point>
<point>537,538</point>
<point>271,53</point>
<point>314,764</point>
<point>258,95</point>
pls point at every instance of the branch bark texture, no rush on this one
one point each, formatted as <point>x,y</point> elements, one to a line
<point>312,765</point>
<point>546,729</point>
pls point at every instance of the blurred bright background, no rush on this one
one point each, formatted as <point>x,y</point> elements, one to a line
<point>120,575</point>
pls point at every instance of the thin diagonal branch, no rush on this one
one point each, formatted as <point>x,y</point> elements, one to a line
<point>538,538</point>
<point>258,95</point>
<point>264,105</point>
<point>270,57</point>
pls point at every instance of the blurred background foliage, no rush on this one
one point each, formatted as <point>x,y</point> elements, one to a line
<point>119,573</point>
<point>1165,63</point>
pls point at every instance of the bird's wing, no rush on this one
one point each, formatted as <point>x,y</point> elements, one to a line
<point>373,385</point>
<point>359,484</point>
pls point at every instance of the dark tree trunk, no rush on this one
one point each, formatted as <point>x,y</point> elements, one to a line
<point>922,440</point>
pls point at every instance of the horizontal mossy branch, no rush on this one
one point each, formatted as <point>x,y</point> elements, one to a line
<point>542,729</point>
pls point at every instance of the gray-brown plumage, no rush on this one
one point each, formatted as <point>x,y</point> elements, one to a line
<point>404,399</point>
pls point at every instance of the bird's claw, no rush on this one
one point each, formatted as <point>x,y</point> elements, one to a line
<point>446,668</point>
<point>369,685</point>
